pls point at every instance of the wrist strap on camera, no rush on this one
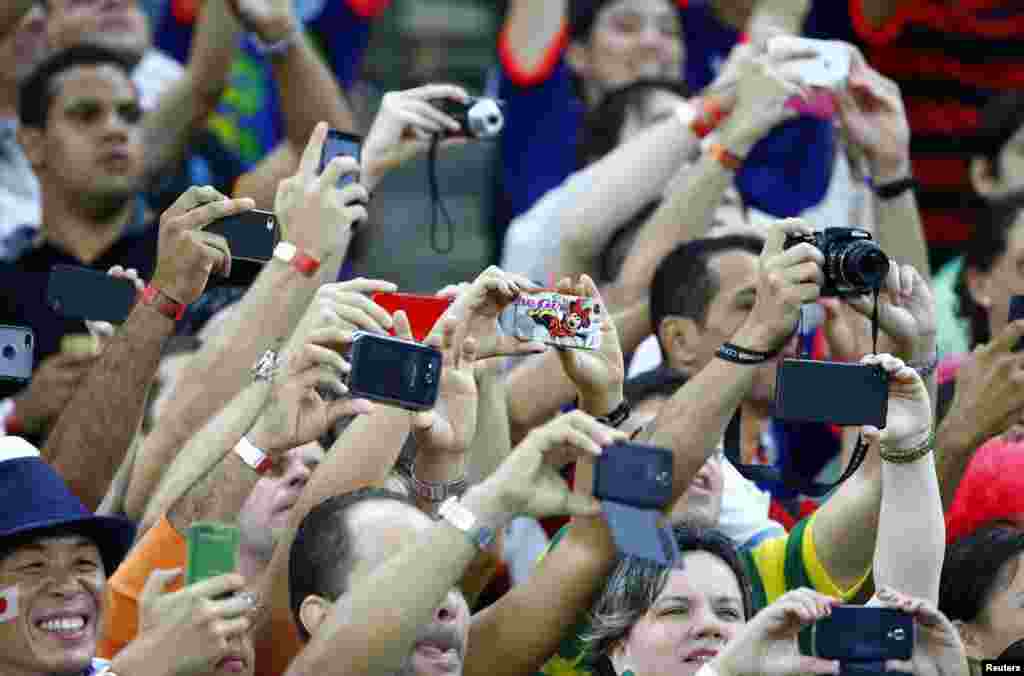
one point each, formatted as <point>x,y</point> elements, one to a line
<point>788,477</point>
<point>437,204</point>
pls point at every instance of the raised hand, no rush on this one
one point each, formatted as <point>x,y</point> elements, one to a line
<point>296,412</point>
<point>345,305</point>
<point>448,429</point>
<point>528,482</point>
<point>909,419</point>
<point>768,646</point>
<point>271,20</point>
<point>477,308</point>
<point>315,215</point>
<point>195,628</point>
<point>597,374</point>
<point>186,256</point>
<point>938,650</point>
<point>403,128</point>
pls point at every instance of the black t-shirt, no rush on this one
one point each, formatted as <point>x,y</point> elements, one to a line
<point>23,287</point>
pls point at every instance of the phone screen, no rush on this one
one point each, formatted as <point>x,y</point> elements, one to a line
<point>212,550</point>
<point>341,144</point>
<point>83,293</point>
<point>251,235</point>
<point>395,371</point>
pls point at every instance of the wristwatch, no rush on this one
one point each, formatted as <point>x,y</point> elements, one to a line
<point>253,457</point>
<point>266,367</point>
<point>455,513</point>
<point>437,491</point>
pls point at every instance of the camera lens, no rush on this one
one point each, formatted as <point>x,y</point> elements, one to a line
<point>9,352</point>
<point>862,265</point>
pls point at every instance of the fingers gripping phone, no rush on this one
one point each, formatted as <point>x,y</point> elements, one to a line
<point>212,550</point>
<point>423,311</point>
<point>341,144</point>
<point>394,371</point>
<point>83,293</point>
<point>17,352</point>
<point>826,65</point>
<point>251,235</point>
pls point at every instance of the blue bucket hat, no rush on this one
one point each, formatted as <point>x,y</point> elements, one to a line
<point>36,499</point>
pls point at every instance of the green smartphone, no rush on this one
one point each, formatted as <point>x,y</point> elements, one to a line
<point>212,550</point>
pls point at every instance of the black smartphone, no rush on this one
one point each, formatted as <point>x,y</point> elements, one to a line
<point>634,475</point>
<point>341,144</point>
<point>394,371</point>
<point>831,392</point>
<point>1017,312</point>
<point>83,293</point>
<point>864,634</point>
<point>251,236</point>
<point>17,353</point>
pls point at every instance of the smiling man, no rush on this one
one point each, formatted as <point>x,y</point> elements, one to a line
<point>54,555</point>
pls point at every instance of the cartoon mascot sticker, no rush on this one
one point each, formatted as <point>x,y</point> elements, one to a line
<point>575,323</point>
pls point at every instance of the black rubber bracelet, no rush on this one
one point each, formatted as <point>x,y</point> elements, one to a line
<point>618,416</point>
<point>741,355</point>
<point>888,191</point>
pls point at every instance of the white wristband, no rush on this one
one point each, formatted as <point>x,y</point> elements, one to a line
<point>706,670</point>
<point>252,456</point>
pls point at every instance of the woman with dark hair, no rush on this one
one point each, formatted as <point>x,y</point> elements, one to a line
<point>644,618</point>
<point>981,589</point>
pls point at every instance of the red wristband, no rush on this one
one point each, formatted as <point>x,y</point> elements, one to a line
<point>725,157</point>
<point>300,260</point>
<point>709,116</point>
<point>13,425</point>
<point>162,303</point>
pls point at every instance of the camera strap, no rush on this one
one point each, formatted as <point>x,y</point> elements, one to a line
<point>437,204</point>
<point>788,478</point>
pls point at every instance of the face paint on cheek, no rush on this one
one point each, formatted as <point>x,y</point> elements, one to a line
<point>8,604</point>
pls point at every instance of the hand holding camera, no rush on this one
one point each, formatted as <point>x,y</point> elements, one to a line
<point>296,412</point>
<point>404,126</point>
<point>937,650</point>
<point>313,212</point>
<point>787,278</point>
<point>185,254</point>
<point>528,482</point>
<point>198,626</point>
<point>908,421</point>
<point>768,646</point>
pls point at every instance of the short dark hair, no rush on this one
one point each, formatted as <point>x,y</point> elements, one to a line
<point>986,245</point>
<point>973,567</point>
<point>602,126</point>
<point>1000,119</point>
<point>636,583</point>
<point>321,557</point>
<point>582,16</point>
<point>37,92</point>
<point>684,284</point>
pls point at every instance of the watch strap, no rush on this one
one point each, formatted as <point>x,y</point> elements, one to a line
<point>162,303</point>
<point>455,513</point>
<point>893,189</point>
<point>618,416</point>
<point>437,491</point>
<point>252,456</point>
<point>298,259</point>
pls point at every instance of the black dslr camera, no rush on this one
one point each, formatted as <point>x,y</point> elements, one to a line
<point>480,117</point>
<point>854,263</point>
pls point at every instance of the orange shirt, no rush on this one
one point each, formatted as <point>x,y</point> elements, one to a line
<point>164,548</point>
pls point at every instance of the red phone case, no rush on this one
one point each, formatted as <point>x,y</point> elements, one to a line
<point>423,311</point>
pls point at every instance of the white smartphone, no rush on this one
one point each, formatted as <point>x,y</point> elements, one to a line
<point>829,66</point>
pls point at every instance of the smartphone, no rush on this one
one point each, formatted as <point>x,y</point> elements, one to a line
<point>17,353</point>
<point>341,143</point>
<point>422,311</point>
<point>864,634</point>
<point>556,319</point>
<point>83,293</point>
<point>251,236</point>
<point>828,68</point>
<point>831,392</point>
<point>634,474</point>
<point>212,550</point>
<point>394,371</point>
<point>1016,312</point>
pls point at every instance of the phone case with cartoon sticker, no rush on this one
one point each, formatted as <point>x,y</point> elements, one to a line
<point>559,320</point>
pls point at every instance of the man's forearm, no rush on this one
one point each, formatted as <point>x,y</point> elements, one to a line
<point>955,443</point>
<point>207,481</point>
<point>900,233</point>
<point>90,439</point>
<point>262,320</point>
<point>309,94</point>
<point>621,184</point>
<point>184,108</point>
<point>493,441</point>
